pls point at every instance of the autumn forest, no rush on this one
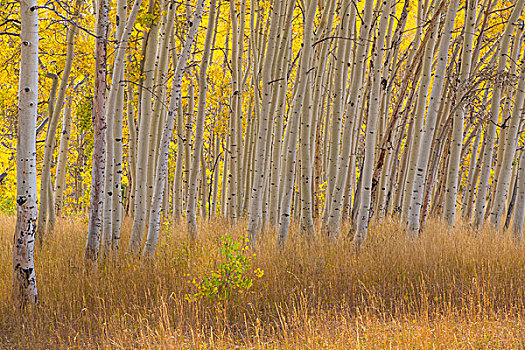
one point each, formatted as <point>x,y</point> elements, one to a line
<point>281,174</point>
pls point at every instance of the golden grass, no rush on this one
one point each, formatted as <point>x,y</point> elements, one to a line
<point>464,291</point>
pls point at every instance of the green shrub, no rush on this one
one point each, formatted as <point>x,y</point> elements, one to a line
<point>234,274</point>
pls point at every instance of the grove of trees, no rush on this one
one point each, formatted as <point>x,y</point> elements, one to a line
<point>272,112</point>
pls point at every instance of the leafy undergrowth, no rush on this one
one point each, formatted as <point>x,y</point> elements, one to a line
<point>463,291</point>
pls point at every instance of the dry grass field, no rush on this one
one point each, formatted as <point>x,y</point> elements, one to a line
<point>461,291</point>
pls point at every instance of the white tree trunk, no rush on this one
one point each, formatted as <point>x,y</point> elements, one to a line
<point>25,290</point>
<point>46,196</point>
<point>509,150</point>
<point>99,142</point>
<point>264,130</point>
<point>459,116</point>
<point>365,204</point>
<point>162,163</point>
<point>60,181</point>
<point>430,122</point>
<point>293,124</point>
<point>199,129</point>
<point>141,173</point>
<point>479,212</point>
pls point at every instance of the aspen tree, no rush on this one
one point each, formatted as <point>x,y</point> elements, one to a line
<point>60,180</point>
<point>199,128</point>
<point>475,169</point>
<point>338,94</point>
<point>519,215</point>
<point>131,162</point>
<point>215,179</point>
<point>188,136</point>
<point>466,209</point>
<point>141,172</point>
<point>264,130</point>
<point>233,190</point>
<point>24,279</point>
<point>279,115</point>
<point>319,91</point>
<point>162,163</point>
<point>355,96</point>
<point>430,122</point>
<point>117,131</point>
<point>307,222</point>
<point>177,180</point>
<point>488,140</point>
<point>114,113</point>
<point>418,118</point>
<point>47,210</point>
<point>99,142</point>
<point>365,205</point>
<point>293,124</point>
<point>509,147</point>
<point>158,113</point>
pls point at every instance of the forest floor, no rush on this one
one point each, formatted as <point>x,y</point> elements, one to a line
<point>442,291</point>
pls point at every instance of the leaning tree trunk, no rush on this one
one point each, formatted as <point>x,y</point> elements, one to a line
<point>509,151</point>
<point>479,211</point>
<point>60,180</point>
<point>46,197</point>
<point>427,136</point>
<point>24,281</point>
<point>114,114</point>
<point>199,129</point>
<point>459,116</point>
<point>162,163</point>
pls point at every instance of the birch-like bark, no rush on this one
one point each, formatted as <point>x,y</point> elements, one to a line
<point>199,129</point>
<point>162,163</point>
<point>60,180</point>
<point>177,185</point>
<point>233,190</point>
<point>519,214</point>
<point>131,159</point>
<point>430,122</point>
<point>299,100</point>
<point>141,173</point>
<point>46,196</point>
<point>459,116</point>
<point>355,92</point>
<point>509,151</point>
<point>114,116</point>
<point>279,115</point>
<point>365,205</point>
<point>418,120</point>
<point>24,278</point>
<point>479,211</point>
<point>99,142</point>
<point>307,222</point>
<point>264,130</point>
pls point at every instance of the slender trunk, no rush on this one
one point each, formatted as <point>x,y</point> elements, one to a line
<point>99,142</point>
<point>293,124</point>
<point>24,279</point>
<point>162,163</point>
<point>49,148</point>
<point>430,123</point>
<point>199,130</point>
<point>365,206</point>
<point>479,212</point>
<point>60,181</point>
